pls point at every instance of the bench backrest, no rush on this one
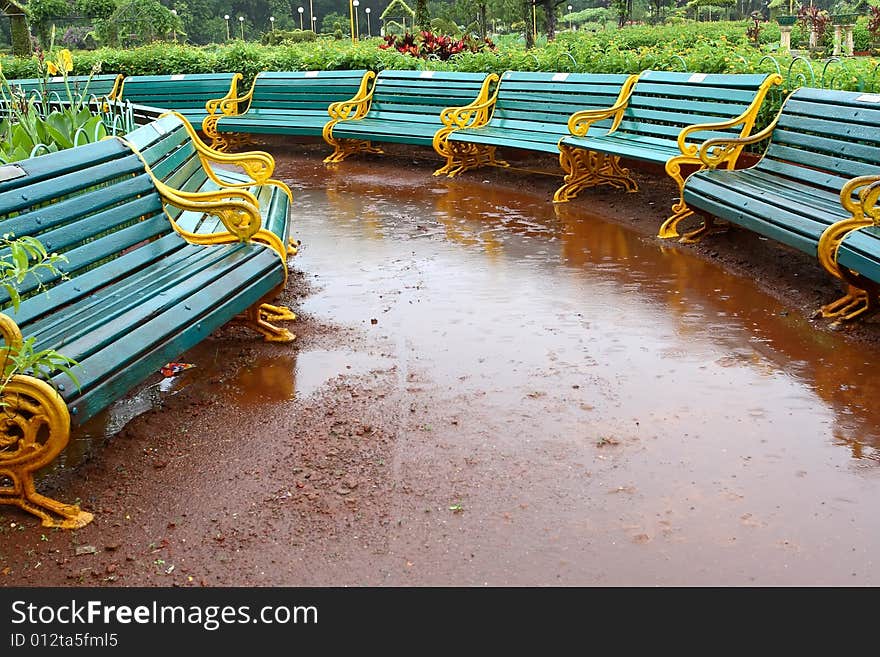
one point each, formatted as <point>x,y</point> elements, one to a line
<point>91,203</point>
<point>422,95</point>
<point>178,92</point>
<point>824,138</point>
<point>100,86</point>
<point>306,91</point>
<point>543,102</point>
<point>663,103</point>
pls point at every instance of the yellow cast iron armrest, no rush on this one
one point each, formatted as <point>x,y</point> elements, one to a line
<point>579,123</point>
<point>10,332</point>
<point>358,105</point>
<point>214,104</point>
<point>352,109</point>
<point>692,149</point>
<point>459,117</point>
<point>715,151</point>
<point>747,118</point>
<point>257,164</point>
<point>479,110</point>
<point>238,209</point>
<point>116,91</point>
<point>240,217</point>
<point>229,106</point>
<point>869,190</point>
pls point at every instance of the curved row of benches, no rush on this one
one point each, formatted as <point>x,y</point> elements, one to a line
<point>593,123</point>
<point>815,188</point>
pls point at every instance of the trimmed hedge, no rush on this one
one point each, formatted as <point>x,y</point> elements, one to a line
<point>705,47</point>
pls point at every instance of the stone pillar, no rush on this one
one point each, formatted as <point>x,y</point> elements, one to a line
<point>850,46</point>
<point>838,34</point>
<point>784,38</point>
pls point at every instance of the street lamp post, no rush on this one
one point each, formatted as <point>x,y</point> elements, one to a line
<point>174,28</point>
<point>227,26</point>
<point>367,12</point>
<point>357,28</point>
<point>312,16</point>
<point>315,24</point>
<point>569,18</point>
<point>351,21</point>
<point>300,10</point>
<point>535,18</point>
<point>241,24</point>
<point>272,22</point>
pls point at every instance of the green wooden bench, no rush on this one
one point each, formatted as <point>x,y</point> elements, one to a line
<point>189,94</point>
<point>403,107</point>
<point>529,111</point>
<point>824,151</point>
<point>100,86</point>
<point>659,122</point>
<point>136,293</point>
<point>284,103</point>
<point>177,157</point>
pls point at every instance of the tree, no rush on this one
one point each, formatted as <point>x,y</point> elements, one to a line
<point>623,8</point>
<point>423,17</point>
<point>41,13</point>
<point>526,15</point>
<point>138,21</point>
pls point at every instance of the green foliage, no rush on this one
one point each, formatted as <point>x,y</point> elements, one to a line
<point>280,37</point>
<point>26,259</point>
<point>138,21</point>
<point>335,21</point>
<point>422,18</point>
<point>397,9</point>
<point>445,26</point>
<point>40,14</point>
<point>95,8</point>
<point>32,126</point>
<point>591,15</point>
<point>41,11</point>
<point>23,257</point>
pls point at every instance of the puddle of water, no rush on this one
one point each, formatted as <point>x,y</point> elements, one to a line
<point>548,328</point>
<point>266,380</point>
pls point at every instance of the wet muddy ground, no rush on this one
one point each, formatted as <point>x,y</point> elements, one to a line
<point>490,390</point>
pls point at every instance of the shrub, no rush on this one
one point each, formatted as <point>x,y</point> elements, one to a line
<point>279,37</point>
<point>428,45</point>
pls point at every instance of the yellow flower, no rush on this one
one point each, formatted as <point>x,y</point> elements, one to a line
<point>53,70</point>
<point>65,60</point>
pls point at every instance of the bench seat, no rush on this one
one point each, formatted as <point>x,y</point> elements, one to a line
<point>100,86</point>
<point>529,111</point>
<point>403,107</point>
<point>283,103</point>
<point>662,120</point>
